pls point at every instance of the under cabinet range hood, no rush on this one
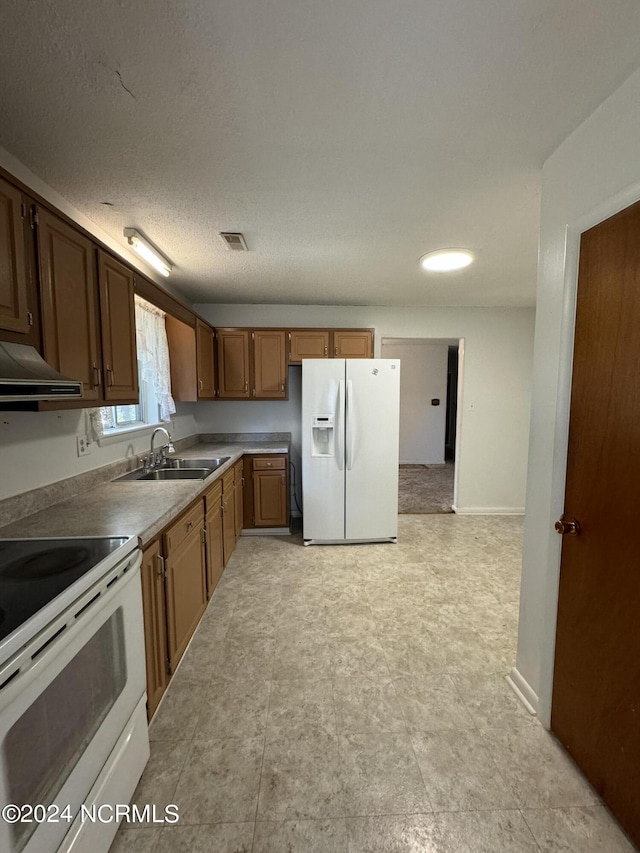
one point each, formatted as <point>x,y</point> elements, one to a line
<point>26,376</point>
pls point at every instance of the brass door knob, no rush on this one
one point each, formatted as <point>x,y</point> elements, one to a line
<point>567,526</point>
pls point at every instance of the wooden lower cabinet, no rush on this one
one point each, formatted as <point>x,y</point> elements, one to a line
<point>266,491</point>
<point>155,624</point>
<point>185,579</point>
<point>228,514</point>
<point>215,547</point>
<point>238,484</point>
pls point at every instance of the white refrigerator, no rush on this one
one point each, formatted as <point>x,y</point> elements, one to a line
<point>350,456</point>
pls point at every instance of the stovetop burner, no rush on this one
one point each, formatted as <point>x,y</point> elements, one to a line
<point>43,564</point>
<point>34,571</point>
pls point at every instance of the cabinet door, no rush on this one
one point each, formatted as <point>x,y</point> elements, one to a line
<point>308,343</point>
<point>237,498</point>
<point>186,591</point>
<point>215,549</point>
<point>204,358</point>
<point>228,516</point>
<point>155,625</point>
<point>269,364</point>
<point>353,343</point>
<point>69,302</point>
<point>118,326</point>
<point>270,498</point>
<point>233,363</point>
<point>13,266</point>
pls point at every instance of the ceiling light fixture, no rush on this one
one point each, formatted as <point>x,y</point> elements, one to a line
<point>446,260</point>
<point>147,252</point>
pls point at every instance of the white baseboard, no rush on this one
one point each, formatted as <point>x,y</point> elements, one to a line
<point>488,510</point>
<point>523,690</point>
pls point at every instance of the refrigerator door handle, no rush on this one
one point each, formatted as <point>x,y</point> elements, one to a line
<point>339,427</point>
<point>350,425</point>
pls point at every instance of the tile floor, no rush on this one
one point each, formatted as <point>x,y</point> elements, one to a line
<point>423,489</point>
<point>353,699</point>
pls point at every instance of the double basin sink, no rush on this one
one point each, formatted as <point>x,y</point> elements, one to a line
<point>178,469</point>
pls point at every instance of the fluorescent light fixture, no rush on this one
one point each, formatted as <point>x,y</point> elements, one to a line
<point>446,260</point>
<point>147,252</point>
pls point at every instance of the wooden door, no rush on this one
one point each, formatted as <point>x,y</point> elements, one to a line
<point>308,343</point>
<point>118,327</point>
<point>238,486</point>
<point>204,359</point>
<point>269,364</point>
<point>353,343</point>
<point>155,625</point>
<point>233,363</point>
<point>69,302</point>
<point>270,498</point>
<point>186,584</point>
<point>596,687</point>
<point>13,265</point>
<point>228,515</point>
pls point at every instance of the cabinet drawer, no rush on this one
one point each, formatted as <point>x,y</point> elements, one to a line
<point>179,531</point>
<point>213,495</point>
<point>269,463</point>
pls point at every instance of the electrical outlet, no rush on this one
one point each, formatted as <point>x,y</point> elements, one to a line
<point>84,445</point>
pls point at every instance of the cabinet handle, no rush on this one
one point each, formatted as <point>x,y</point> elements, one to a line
<point>335,351</point>
<point>254,392</point>
<point>160,571</point>
<point>200,384</point>
<point>109,376</point>
<point>282,387</point>
<point>189,525</point>
<point>242,478</point>
<point>246,387</point>
<point>326,350</point>
<point>97,375</point>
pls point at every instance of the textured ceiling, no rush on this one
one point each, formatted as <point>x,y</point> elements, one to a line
<point>344,139</point>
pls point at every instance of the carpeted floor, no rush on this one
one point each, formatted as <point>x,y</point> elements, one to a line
<point>425,489</point>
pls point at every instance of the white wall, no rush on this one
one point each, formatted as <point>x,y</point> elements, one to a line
<point>423,377</point>
<point>38,448</point>
<point>593,174</point>
<point>495,387</point>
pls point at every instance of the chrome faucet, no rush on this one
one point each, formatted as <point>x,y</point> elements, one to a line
<point>156,458</point>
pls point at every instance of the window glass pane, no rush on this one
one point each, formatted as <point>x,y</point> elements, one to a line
<point>127,415</point>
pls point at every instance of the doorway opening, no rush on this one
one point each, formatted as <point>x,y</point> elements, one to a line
<point>429,383</point>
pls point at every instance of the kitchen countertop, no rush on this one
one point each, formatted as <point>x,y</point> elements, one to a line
<point>130,508</point>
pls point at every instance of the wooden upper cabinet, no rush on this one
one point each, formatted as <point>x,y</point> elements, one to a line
<point>308,343</point>
<point>204,360</point>
<point>69,302</point>
<point>117,323</point>
<point>233,363</point>
<point>13,265</point>
<point>269,364</point>
<point>155,624</point>
<point>353,343</point>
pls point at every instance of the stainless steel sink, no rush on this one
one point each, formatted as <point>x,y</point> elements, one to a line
<point>176,474</point>
<point>173,462</point>
<point>177,469</point>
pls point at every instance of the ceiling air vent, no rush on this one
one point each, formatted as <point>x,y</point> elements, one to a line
<point>234,241</point>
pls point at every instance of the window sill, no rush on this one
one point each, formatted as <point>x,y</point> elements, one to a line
<point>129,432</point>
